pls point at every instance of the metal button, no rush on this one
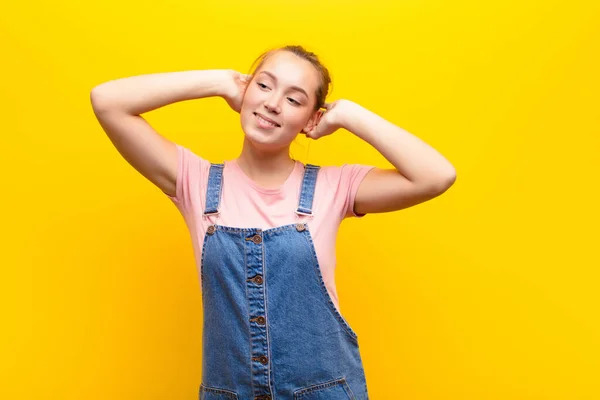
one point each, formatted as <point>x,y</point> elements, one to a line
<point>261,320</point>
<point>261,359</point>
<point>300,227</point>
<point>258,279</point>
<point>211,229</point>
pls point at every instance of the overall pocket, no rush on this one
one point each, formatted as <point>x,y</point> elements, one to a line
<point>211,393</point>
<point>336,389</point>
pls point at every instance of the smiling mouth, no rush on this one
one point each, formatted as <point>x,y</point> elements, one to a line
<point>266,121</point>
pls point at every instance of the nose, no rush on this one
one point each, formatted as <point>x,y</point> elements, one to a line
<point>272,104</point>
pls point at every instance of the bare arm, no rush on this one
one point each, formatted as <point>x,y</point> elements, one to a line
<point>118,104</point>
<point>420,174</point>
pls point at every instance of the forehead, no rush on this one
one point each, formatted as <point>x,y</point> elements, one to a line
<point>290,69</point>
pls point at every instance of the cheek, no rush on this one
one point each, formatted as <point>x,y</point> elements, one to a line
<point>298,118</point>
<point>249,104</point>
<point>250,97</point>
<point>253,93</point>
<point>294,123</point>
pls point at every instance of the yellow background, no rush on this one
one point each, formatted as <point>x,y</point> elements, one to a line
<point>487,292</point>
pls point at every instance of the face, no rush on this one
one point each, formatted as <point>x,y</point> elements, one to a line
<point>279,101</point>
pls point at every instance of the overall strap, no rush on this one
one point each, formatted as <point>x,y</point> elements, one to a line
<point>213,191</point>
<point>308,189</point>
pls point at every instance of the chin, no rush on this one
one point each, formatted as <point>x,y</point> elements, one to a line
<point>261,140</point>
<point>265,141</point>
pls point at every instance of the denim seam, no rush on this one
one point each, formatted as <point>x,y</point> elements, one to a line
<point>246,282</point>
<point>216,390</point>
<point>204,242</point>
<point>320,386</point>
<point>268,231</point>
<point>349,391</point>
<point>267,314</point>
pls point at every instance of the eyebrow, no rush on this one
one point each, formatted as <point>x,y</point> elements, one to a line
<point>297,88</point>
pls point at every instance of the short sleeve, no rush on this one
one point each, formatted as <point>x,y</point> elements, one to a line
<point>355,175</point>
<point>345,181</point>
<point>192,171</point>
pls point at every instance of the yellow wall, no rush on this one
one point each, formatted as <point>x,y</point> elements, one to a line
<point>487,292</point>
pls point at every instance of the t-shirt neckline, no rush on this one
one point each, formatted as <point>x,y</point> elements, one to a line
<point>297,167</point>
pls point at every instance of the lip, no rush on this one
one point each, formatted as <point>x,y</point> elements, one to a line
<point>268,119</point>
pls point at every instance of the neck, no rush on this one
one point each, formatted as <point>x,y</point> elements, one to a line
<point>268,168</point>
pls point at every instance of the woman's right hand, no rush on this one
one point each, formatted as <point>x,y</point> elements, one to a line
<point>235,88</point>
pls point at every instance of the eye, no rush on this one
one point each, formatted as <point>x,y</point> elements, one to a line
<point>262,85</point>
<point>294,101</point>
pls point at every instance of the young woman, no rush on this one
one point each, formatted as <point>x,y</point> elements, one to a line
<point>264,225</point>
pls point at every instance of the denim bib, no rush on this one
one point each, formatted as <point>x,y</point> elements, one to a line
<point>270,328</point>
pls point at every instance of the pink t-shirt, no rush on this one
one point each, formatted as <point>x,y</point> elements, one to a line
<point>244,204</point>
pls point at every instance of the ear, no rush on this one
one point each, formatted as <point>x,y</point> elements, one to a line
<point>312,122</point>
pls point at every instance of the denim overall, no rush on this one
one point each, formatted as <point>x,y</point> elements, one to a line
<point>270,329</point>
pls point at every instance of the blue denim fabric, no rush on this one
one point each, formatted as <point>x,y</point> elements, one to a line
<point>270,328</point>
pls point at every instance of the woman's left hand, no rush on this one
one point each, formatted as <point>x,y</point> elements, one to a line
<point>333,118</point>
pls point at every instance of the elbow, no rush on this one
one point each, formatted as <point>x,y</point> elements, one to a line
<point>450,177</point>
<point>101,99</point>
<point>97,99</point>
<point>445,181</point>
<point>441,182</point>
